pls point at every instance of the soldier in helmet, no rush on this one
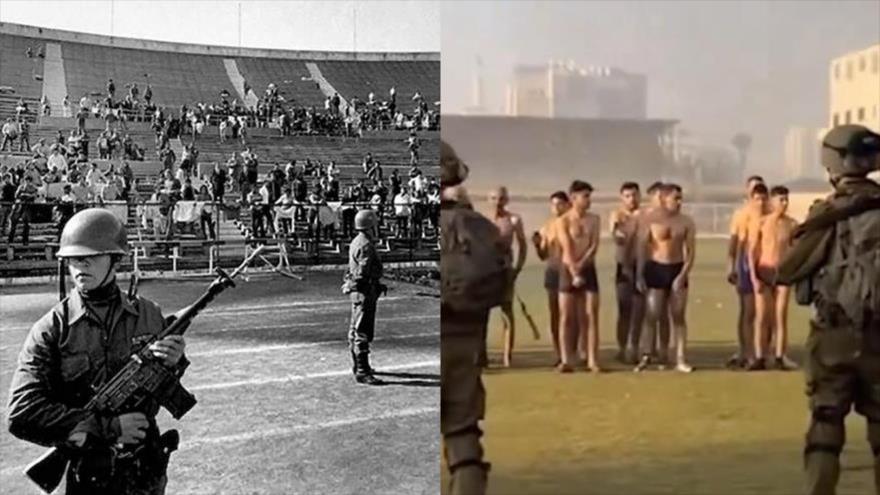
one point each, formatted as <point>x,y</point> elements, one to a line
<point>81,342</point>
<point>834,265</point>
<point>475,271</point>
<point>362,283</point>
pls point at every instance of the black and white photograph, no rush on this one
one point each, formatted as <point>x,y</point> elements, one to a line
<point>219,247</point>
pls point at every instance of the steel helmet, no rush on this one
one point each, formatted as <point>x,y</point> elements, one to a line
<point>365,219</point>
<point>91,232</point>
<point>452,170</point>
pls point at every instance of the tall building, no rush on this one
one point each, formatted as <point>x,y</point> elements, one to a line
<point>560,90</point>
<point>854,82</point>
<point>801,154</point>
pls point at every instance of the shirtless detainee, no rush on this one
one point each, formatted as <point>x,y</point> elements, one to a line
<point>662,334</point>
<point>511,227</point>
<point>547,246</point>
<point>665,248</point>
<point>769,240</point>
<point>630,304</point>
<point>578,231</point>
<point>738,273</point>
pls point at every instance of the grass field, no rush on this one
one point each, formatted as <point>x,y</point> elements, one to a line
<point>278,411</point>
<point>714,432</point>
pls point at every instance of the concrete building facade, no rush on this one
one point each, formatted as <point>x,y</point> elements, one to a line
<point>801,158</point>
<point>854,84</point>
<point>560,90</point>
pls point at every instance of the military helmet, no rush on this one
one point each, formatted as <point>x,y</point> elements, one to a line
<point>91,232</point>
<point>365,219</point>
<point>848,140</point>
<point>452,170</point>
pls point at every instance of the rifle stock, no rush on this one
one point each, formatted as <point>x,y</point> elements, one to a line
<point>48,470</point>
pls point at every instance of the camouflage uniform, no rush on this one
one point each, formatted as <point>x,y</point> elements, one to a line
<point>462,342</point>
<point>843,356</point>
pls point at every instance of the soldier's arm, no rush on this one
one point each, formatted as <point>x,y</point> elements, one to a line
<point>34,412</point>
<point>522,246</point>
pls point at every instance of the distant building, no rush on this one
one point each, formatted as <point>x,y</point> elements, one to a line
<point>801,154</point>
<point>855,89</point>
<point>566,91</point>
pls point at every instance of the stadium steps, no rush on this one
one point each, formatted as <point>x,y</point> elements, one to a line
<point>17,71</point>
<point>250,99</point>
<point>325,85</point>
<point>358,78</point>
<point>290,76</point>
<point>54,81</point>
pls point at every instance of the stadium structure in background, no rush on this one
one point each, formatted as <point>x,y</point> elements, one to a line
<point>342,130</point>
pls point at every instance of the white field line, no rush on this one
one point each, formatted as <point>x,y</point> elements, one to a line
<point>307,376</point>
<point>299,345</point>
<point>234,310</point>
<point>293,326</point>
<point>282,432</point>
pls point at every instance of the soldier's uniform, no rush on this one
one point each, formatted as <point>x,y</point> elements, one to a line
<point>363,284</point>
<point>843,348</point>
<point>83,341</point>
<point>462,344</point>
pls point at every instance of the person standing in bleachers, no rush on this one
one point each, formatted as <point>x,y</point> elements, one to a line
<point>63,210</point>
<point>7,198</point>
<point>24,141</point>
<point>24,199</point>
<point>402,212</point>
<point>111,88</point>
<point>254,201</point>
<point>10,133</point>
<point>65,107</point>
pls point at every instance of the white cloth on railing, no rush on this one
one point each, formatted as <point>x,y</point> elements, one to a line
<point>188,211</point>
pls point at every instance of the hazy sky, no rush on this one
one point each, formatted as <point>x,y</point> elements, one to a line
<point>719,67</point>
<point>380,26</point>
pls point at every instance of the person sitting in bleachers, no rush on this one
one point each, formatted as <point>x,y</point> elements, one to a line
<point>21,108</point>
<point>40,151</point>
<point>53,176</point>
<point>56,159</point>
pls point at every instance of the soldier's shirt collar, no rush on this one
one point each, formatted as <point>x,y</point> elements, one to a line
<point>76,307</point>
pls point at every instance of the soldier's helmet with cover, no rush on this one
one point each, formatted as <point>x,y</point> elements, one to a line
<point>365,220</point>
<point>843,144</point>
<point>452,170</point>
<point>91,232</point>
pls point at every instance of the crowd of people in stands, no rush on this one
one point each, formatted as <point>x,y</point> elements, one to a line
<point>62,173</point>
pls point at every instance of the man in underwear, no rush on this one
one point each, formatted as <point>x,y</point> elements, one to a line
<point>665,251</point>
<point>547,246</point>
<point>738,273</point>
<point>630,304</point>
<point>511,227</point>
<point>578,232</point>
<point>770,236</point>
<point>661,342</point>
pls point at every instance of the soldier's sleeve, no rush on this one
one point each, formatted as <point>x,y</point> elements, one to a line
<point>808,250</point>
<point>361,257</point>
<point>33,413</point>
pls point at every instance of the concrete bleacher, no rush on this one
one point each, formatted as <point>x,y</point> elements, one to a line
<point>259,72</point>
<point>17,70</point>
<point>176,78</point>
<point>358,78</point>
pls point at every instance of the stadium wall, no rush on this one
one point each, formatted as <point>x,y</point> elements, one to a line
<point>163,46</point>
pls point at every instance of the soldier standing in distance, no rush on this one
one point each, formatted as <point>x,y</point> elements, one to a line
<point>86,339</point>
<point>474,272</point>
<point>363,286</point>
<point>835,264</point>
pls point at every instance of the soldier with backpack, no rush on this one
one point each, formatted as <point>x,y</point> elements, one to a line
<point>474,272</point>
<point>834,265</point>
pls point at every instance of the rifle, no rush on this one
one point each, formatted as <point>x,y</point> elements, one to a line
<point>522,306</point>
<point>142,377</point>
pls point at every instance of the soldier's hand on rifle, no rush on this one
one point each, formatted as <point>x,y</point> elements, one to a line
<point>132,427</point>
<point>169,350</point>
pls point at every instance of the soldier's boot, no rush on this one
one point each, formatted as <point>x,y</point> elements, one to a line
<point>874,441</point>
<point>363,370</point>
<point>825,440</point>
<point>464,456</point>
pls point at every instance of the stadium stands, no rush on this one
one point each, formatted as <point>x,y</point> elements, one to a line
<point>190,75</point>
